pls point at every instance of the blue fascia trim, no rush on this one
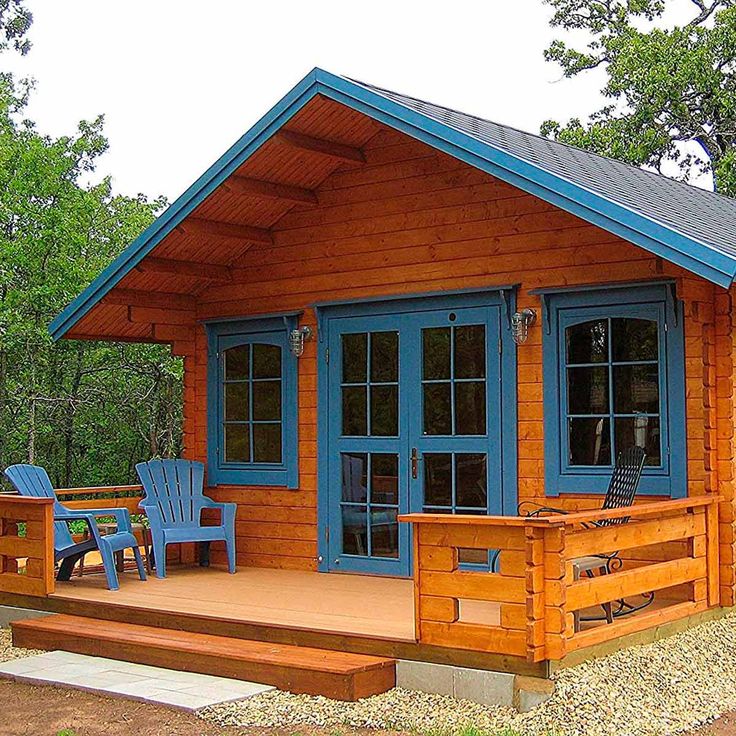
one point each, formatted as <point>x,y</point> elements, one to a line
<point>651,235</point>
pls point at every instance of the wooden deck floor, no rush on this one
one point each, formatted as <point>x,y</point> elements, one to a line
<point>336,603</point>
<point>361,605</point>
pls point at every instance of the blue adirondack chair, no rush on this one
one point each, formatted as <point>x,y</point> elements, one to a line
<point>31,480</point>
<point>173,503</point>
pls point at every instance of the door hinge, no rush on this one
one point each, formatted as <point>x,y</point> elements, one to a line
<point>500,346</point>
<point>327,534</point>
<point>327,355</point>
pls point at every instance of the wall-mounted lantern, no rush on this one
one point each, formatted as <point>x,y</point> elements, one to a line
<point>520,324</point>
<point>297,338</point>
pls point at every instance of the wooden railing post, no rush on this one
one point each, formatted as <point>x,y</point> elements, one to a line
<point>712,554</point>
<point>534,585</point>
<point>555,593</point>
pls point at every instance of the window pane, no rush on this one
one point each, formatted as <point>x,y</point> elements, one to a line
<point>355,477</point>
<point>642,432</point>
<point>436,353</point>
<point>437,479</point>
<point>587,342</point>
<point>470,407</point>
<point>237,443</point>
<point>266,361</point>
<point>385,478</point>
<point>470,351</point>
<point>236,363</point>
<point>385,411</point>
<point>267,400</point>
<point>471,487</point>
<point>384,533</point>
<point>236,402</point>
<point>354,358</point>
<point>355,530</point>
<point>354,411</point>
<point>636,388</point>
<point>437,408</point>
<point>267,443</point>
<point>590,441</point>
<point>634,339</point>
<point>587,390</point>
<point>384,356</point>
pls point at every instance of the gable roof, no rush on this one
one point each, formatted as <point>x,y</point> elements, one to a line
<point>683,224</point>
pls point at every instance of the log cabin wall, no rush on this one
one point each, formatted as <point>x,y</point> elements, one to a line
<point>415,220</point>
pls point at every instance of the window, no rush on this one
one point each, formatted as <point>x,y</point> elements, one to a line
<point>252,400</point>
<point>613,378</point>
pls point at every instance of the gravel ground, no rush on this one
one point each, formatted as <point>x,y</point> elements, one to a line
<point>8,651</point>
<point>667,687</point>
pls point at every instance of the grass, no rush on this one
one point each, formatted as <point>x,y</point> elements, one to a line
<point>472,731</point>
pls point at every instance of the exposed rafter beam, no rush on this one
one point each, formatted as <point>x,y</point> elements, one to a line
<point>216,228</point>
<point>157,299</point>
<point>208,271</point>
<point>320,145</point>
<point>270,190</point>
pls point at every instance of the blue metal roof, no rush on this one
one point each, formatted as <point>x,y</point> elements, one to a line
<point>682,224</point>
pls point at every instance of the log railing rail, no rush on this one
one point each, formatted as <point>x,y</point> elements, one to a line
<point>125,496</point>
<point>35,544</point>
<point>665,545</point>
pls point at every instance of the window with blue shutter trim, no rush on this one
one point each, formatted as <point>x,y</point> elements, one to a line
<point>252,403</point>
<point>614,376</point>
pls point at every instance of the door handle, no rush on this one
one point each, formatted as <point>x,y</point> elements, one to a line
<point>414,463</point>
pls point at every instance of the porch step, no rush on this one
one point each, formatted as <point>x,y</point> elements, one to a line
<point>338,675</point>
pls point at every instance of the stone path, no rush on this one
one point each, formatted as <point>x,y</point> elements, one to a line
<point>187,690</point>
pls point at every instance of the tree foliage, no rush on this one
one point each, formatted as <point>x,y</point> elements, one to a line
<point>672,90</point>
<point>15,23</point>
<point>87,411</point>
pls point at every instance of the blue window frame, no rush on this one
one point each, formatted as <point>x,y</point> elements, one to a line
<point>614,376</point>
<point>252,402</point>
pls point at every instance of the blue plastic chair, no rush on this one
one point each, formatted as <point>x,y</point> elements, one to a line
<point>173,503</point>
<point>31,480</point>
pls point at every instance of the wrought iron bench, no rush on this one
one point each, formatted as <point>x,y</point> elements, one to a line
<point>620,494</point>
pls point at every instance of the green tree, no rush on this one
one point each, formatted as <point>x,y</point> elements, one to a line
<point>87,411</point>
<point>671,90</point>
<point>15,22</point>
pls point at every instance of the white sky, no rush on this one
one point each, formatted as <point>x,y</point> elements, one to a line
<point>180,81</point>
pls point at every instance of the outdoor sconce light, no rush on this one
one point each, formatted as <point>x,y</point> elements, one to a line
<point>520,324</point>
<point>297,338</point>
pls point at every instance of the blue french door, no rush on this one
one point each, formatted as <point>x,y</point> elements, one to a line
<point>414,425</point>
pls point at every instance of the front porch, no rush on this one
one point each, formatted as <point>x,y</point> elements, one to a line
<point>521,618</point>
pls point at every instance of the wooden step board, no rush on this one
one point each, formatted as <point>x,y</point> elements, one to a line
<point>338,675</point>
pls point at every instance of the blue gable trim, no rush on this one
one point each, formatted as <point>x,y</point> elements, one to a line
<point>651,235</point>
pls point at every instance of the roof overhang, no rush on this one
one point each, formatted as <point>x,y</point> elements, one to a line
<point>655,237</point>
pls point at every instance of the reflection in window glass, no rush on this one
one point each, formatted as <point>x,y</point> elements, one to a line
<point>370,384</point>
<point>613,390</point>
<point>252,397</point>
<point>370,504</point>
<point>454,396</point>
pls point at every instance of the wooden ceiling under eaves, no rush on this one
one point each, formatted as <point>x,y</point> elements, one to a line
<point>158,299</point>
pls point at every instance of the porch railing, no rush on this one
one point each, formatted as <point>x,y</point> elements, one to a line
<point>26,532</point>
<point>126,497</point>
<point>532,598</point>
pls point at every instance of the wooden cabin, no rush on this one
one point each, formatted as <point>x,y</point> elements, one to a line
<point>398,322</point>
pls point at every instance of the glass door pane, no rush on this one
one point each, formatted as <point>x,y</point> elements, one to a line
<point>367,449</point>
